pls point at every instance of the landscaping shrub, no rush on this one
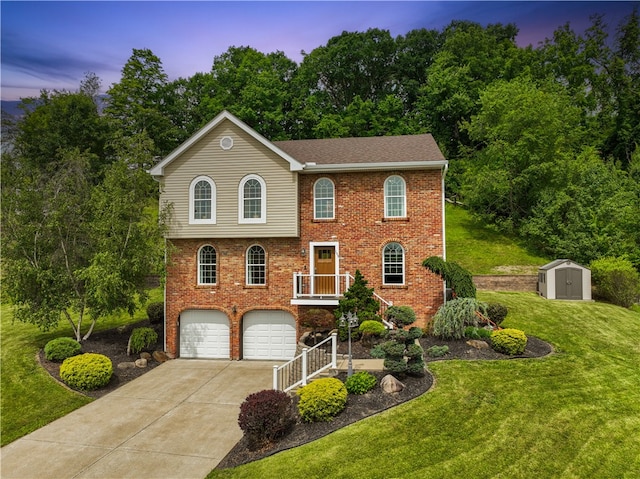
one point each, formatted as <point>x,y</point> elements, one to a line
<point>457,278</point>
<point>616,280</point>
<point>472,332</point>
<point>496,312</point>
<point>60,349</point>
<point>266,416</point>
<point>141,338</point>
<point>322,400</point>
<point>377,352</point>
<point>155,312</point>
<point>370,329</point>
<point>454,316</point>
<point>437,351</point>
<point>318,319</point>
<point>509,341</point>
<point>360,383</point>
<point>415,366</point>
<point>414,351</point>
<point>401,316</point>
<point>86,371</point>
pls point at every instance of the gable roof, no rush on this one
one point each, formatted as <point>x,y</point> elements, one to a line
<point>332,154</point>
<point>558,262</point>
<point>406,151</point>
<point>158,170</point>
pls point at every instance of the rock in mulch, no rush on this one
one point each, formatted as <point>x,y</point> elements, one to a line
<point>160,356</point>
<point>126,365</point>
<point>478,344</point>
<point>141,363</point>
<point>145,355</point>
<point>390,384</point>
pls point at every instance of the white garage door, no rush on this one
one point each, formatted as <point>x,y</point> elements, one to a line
<point>269,335</point>
<point>204,334</point>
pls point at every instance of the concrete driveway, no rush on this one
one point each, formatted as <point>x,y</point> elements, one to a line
<point>178,421</point>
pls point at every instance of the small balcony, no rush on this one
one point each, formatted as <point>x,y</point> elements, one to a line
<point>325,290</point>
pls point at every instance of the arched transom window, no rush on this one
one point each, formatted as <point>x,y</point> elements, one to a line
<point>393,264</point>
<point>202,200</point>
<point>207,265</point>
<point>256,266</point>
<point>395,199</point>
<point>253,200</point>
<point>323,195</point>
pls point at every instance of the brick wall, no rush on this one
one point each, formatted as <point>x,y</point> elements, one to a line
<point>521,282</point>
<point>361,232</point>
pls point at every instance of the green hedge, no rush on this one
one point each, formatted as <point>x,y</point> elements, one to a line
<point>322,400</point>
<point>60,349</point>
<point>509,341</point>
<point>87,371</point>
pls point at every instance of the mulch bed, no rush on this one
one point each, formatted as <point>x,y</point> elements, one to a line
<point>113,344</point>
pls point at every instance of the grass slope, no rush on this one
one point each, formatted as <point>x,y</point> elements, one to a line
<point>482,250</point>
<point>574,414</point>
<point>30,397</point>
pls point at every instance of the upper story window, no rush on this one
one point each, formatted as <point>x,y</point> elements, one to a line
<point>395,198</point>
<point>323,199</point>
<point>252,196</point>
<point>256,266</point>
<point>202,200</point>
<point>393,264</point>
<point>207,265</point>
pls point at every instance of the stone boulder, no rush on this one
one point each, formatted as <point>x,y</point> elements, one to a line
<point>160,356</point>
<point>141,363</point>
<point>478,344</point>
<point>126,365</point>
<point>145,355</point>
<point>390,384</point>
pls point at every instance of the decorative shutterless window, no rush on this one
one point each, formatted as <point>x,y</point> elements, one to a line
<point>323,196</point>
<point>253,200</point>
<point>393,264</point>
<point>256,266</point>
<point>207,265</point>
<point>395,198</point>
<point>202,201</point>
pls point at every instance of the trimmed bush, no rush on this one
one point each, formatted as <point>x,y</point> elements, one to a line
<point>509,341</point>
<point>393,348</point>
<point>497,312</point>
<point>322,400</point>
<point>416,367</point>
<point>372,328</point>
<point>141,338</point>
<point>60,349</point>
<point>454,316</point>
<point>437,351</point>
<point>414,351</point>
<point>86,371</point>
<point>360,383</point>
<point>377,352</point>
<point>155,312</point>
<point>266,416</point>
<point>395,365</point>
<point>401,316</point>
<point>616,280</point>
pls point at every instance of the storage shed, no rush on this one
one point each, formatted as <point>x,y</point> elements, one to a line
<point>564,279</point>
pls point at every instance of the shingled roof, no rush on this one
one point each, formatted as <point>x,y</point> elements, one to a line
<point>409,149</point>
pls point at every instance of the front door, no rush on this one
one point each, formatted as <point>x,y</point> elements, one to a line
<point>325,270</point>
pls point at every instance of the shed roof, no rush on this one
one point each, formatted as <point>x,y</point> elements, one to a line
<point>559,262</point>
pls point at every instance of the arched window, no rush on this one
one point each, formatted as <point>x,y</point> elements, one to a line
<point>207,265</point>
<point>323,199</point>
<point>252,196</point>
<point>395,199</point>
<point>393,264</point>
<point>202,200</point>
<point>256,266</point>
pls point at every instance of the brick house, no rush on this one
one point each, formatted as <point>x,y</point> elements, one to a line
<point>261,231</point>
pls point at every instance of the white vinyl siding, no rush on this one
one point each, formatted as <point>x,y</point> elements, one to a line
<point>228,168</point>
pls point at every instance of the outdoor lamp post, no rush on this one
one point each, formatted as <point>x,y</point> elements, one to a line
<point>350,321</point>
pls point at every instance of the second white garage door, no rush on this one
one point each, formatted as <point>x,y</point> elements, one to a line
<point>204,334</point>
<point>269,335</point>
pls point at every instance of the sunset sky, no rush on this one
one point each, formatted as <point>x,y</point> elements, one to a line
<point>52,44</point>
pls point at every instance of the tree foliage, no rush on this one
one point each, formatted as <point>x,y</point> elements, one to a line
<point>457,278</point>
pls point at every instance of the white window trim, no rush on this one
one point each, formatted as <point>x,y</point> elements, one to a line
<point>404,198</point>
<point>333,198</point>
<point>192,213</point>
<point>263,201</point>
<point>246,266</point>
<point>404,261</point>
<point>199,264</point>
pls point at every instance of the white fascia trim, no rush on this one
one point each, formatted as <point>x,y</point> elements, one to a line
<point>391,165</point>
<point>158,170</point>
<point>315,302</point>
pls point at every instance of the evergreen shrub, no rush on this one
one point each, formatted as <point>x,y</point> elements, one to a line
<point>266,416</point>
<point>141,338</point>
<point>616,280</point>
<point>509,341</point>
<point>497,312</point>
<point>155,312</point>
<point>360,383</point>
<point>87,371</point>
<point>322,400</point>
<point>59,349</point>
<point>437,351</point>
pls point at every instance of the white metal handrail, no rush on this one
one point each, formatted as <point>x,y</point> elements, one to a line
<point>306,365</point>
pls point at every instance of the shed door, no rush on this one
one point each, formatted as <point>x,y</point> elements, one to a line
<point>568,283</point>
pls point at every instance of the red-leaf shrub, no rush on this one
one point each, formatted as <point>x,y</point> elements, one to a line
<point>266,416</point>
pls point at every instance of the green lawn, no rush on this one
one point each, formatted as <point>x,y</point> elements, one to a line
<point>482,250</point>
<point>30,397</point>
<point>575,414</point>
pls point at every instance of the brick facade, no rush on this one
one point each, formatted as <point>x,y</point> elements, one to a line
<point>359,229</point>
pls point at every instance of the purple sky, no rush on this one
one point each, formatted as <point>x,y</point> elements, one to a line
<point>52,44</point>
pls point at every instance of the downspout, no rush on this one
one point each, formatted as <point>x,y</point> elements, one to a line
<point>164,287</point>
<point>444,230</point>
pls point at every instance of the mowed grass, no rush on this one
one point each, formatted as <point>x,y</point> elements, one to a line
<point>574,414</point>
<point>483,250</point>
<point>30,397</point>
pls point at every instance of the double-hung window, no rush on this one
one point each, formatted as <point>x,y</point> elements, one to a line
<point>207,264</point>
<point>395,198</point>
<point>323,199</point>
<point>202,200</point>
<point>393,264</point>
<point>252,196</point>
<point>256,266</point>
